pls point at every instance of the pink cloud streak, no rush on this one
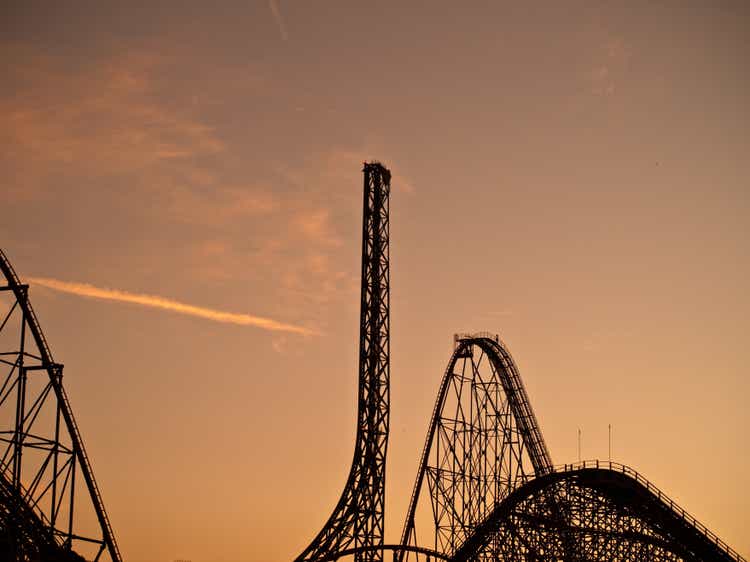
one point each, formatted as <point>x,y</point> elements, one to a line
<point>152,301</point>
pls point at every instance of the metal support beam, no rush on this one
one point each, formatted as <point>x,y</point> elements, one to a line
<point>357,521</point>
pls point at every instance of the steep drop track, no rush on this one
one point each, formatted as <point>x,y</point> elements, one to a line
<point>42,453</point>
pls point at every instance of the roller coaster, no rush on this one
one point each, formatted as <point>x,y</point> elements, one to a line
<point>51,508</point>
<point>486,487</point>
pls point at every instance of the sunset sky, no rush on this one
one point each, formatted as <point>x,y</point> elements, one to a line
<point>574,176</point>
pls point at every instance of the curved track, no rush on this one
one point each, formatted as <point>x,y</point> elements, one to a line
<point>44,451</point>
<point>483,441</point>
<point>613,513</point>
<point>493,493</point>
<point>357,522</point>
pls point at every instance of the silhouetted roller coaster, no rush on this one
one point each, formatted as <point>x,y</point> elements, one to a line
<point>486,487</point>
<point>51,508</point>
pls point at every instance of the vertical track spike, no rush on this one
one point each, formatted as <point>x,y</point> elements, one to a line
<point>359,517</point>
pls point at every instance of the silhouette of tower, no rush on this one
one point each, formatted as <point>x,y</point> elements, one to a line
<point>357,521</point>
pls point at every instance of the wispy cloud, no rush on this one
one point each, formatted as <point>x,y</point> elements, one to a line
<point>613,59</point>
<point>107,119</point>
<point>276,11</point>
<point>86,290</point>
<point>316,225</point>
<point>216,205</point>
<point>159,159</point>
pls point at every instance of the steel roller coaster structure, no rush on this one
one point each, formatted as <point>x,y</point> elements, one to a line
<point>492,491</point>
<point>46,512</point>
<point>486,487</point>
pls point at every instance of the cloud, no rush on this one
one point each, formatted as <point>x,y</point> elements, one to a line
<point>103,119</point>
<point>215,205</point>
<point>316,226</point>
<point>612,62</point>
<point>86,290</point>
<point>276,11</point>
<point>130,141</point>
<point>601,82</point>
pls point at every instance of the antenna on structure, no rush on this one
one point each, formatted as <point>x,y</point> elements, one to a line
<point>579,444</point>
<point>609,441</point>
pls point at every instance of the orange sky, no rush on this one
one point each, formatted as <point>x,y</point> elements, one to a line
<point>573,176</point>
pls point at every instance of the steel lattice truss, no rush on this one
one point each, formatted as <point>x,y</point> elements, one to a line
<point>493,494</point>
<point>491,490</point>
<point>483,442</point>
<point>358,519</point>
<point>594,514</point>
<point>50,504</point>
<point>486,488</point>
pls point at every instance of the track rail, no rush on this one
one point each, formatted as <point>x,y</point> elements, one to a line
<point>358,519</point>
<point>678,511</point>
<point>395,548</point>
<point>54,370</point>
<point>516,392</point>
<point>605,476</point>
<point>510,378</point>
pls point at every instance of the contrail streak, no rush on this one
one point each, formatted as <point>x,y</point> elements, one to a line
<point>276,11</point>
<point>86,290</point>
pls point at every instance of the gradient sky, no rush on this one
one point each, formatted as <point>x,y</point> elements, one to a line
<point>574,176</point>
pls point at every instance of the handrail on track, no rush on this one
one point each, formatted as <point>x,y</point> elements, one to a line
<point>54,371</point>
<point>7,268</point>
<point>666,500</point>
<point>460,336</point>
<point>522,411</point>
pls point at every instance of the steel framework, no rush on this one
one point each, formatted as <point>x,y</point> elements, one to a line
<point>358,519</point>
<point>492,492</point>
<point>47,486</point>
<point>483,442</point>
<point>494,495</point>
<point>612,513</point>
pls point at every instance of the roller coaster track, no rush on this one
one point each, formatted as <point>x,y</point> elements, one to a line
<point>506,372</point>
<point>21,521</point>
<point>486,488</point>
<point>677,534</point>
<point>357,521</point>
<point>653,493</point>
<point>48,484</point>
<point>587,511</point>
<point>492,492</point>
